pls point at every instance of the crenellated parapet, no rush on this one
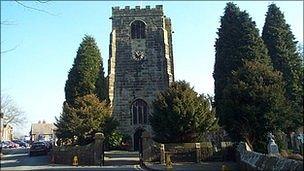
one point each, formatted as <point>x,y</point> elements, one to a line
<point>127,11</point>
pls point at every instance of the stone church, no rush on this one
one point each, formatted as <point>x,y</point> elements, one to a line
<point>140,65</point>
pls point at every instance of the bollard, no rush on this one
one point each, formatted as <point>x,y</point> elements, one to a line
<point>75,161</point>
<point>198,152</point>
<point>162,154</point>
<point>168,162</point>
<point>224,168</point>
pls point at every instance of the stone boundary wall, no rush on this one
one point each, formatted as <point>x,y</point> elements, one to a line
<point>179,152</point>
<point>65,154</point>
<point>250,160</point>
<point>91,154</point>
<point>183,152</point>
<point>189,152</point>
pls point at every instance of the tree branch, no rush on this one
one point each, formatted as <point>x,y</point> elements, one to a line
<point>36,9</point>
<point>43,1</point>
<point>6,22</point>
<point>9,50</point>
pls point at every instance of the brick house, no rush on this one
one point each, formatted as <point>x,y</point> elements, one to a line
<point>42,131</point>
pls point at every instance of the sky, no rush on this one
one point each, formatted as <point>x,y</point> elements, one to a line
<point>41,44</point>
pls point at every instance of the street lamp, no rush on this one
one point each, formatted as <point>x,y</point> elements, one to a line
<point>1,116</point>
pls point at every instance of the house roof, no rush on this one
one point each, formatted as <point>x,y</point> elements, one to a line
<point>42,128</point>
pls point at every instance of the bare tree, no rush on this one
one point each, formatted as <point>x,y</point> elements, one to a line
<point>10,112</point>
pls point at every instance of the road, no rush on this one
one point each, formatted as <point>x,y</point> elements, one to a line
<point>22,161</point>
<point>18,159</point>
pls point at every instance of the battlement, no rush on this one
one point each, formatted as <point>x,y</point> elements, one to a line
<point>127,11</point>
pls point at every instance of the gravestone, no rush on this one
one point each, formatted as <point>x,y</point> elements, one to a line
<point>272,147</point>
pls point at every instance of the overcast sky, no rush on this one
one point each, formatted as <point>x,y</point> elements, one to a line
<point>45,42</point>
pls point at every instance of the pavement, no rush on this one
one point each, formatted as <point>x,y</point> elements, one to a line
<point>18,159</point>
<point>22,161</point>
<point>19,150</point>
<point>189,166</point>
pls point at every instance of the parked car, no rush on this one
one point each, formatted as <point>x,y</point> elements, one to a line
<point>38,148</point>
<point>21,143</point>
<point>47,144</point>
<point>9,144</point>
<point>3,144</point>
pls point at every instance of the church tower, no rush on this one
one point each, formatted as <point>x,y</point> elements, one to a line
<point>140,65</point>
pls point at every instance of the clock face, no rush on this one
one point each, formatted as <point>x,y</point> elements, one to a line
<point>138,55</point>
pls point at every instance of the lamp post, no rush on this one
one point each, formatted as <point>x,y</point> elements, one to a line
<point>1,124</point>
<point>1,129</point>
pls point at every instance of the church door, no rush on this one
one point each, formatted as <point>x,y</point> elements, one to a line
<point>137,139</point>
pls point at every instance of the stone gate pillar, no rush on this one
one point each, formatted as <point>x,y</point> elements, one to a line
<point>98,149</point>
<point>146,142</point>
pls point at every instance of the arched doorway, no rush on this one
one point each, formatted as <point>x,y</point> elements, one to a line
<point>137,139</point>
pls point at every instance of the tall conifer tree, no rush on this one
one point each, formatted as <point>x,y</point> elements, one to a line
<point>84,112</point>
<point>83,76</point>
<point>102,84</point>
<point>282,48</point>
<point>181,115</point>
<point>248,92</point>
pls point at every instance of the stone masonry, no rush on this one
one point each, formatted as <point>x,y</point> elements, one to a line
<point>132,78</point>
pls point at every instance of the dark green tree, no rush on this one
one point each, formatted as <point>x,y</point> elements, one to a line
<point>87,117</point>
<point>181,115</point>
<point>83,76</point>
<point>282,48</point>
<point>244,77</point>
<point>102,84</point>
<point>66,125</point>
<point>254,104</point>
<point>83,113</point>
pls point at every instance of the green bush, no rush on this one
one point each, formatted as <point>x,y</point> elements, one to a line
<point>181,115</point>
<point>115,140</point>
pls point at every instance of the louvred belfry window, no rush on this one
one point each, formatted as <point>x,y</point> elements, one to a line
<point>138,30</point>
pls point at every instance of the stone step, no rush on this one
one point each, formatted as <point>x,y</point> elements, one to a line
<point>121,161</point>
<point>118,158</point>
<point>120,154</point>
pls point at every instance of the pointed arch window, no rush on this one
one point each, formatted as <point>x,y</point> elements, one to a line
<point>138,30</point>
<point>139,111</point>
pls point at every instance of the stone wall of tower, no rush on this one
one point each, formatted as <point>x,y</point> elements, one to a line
<point>169,31</point>
<point>131,79</point>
